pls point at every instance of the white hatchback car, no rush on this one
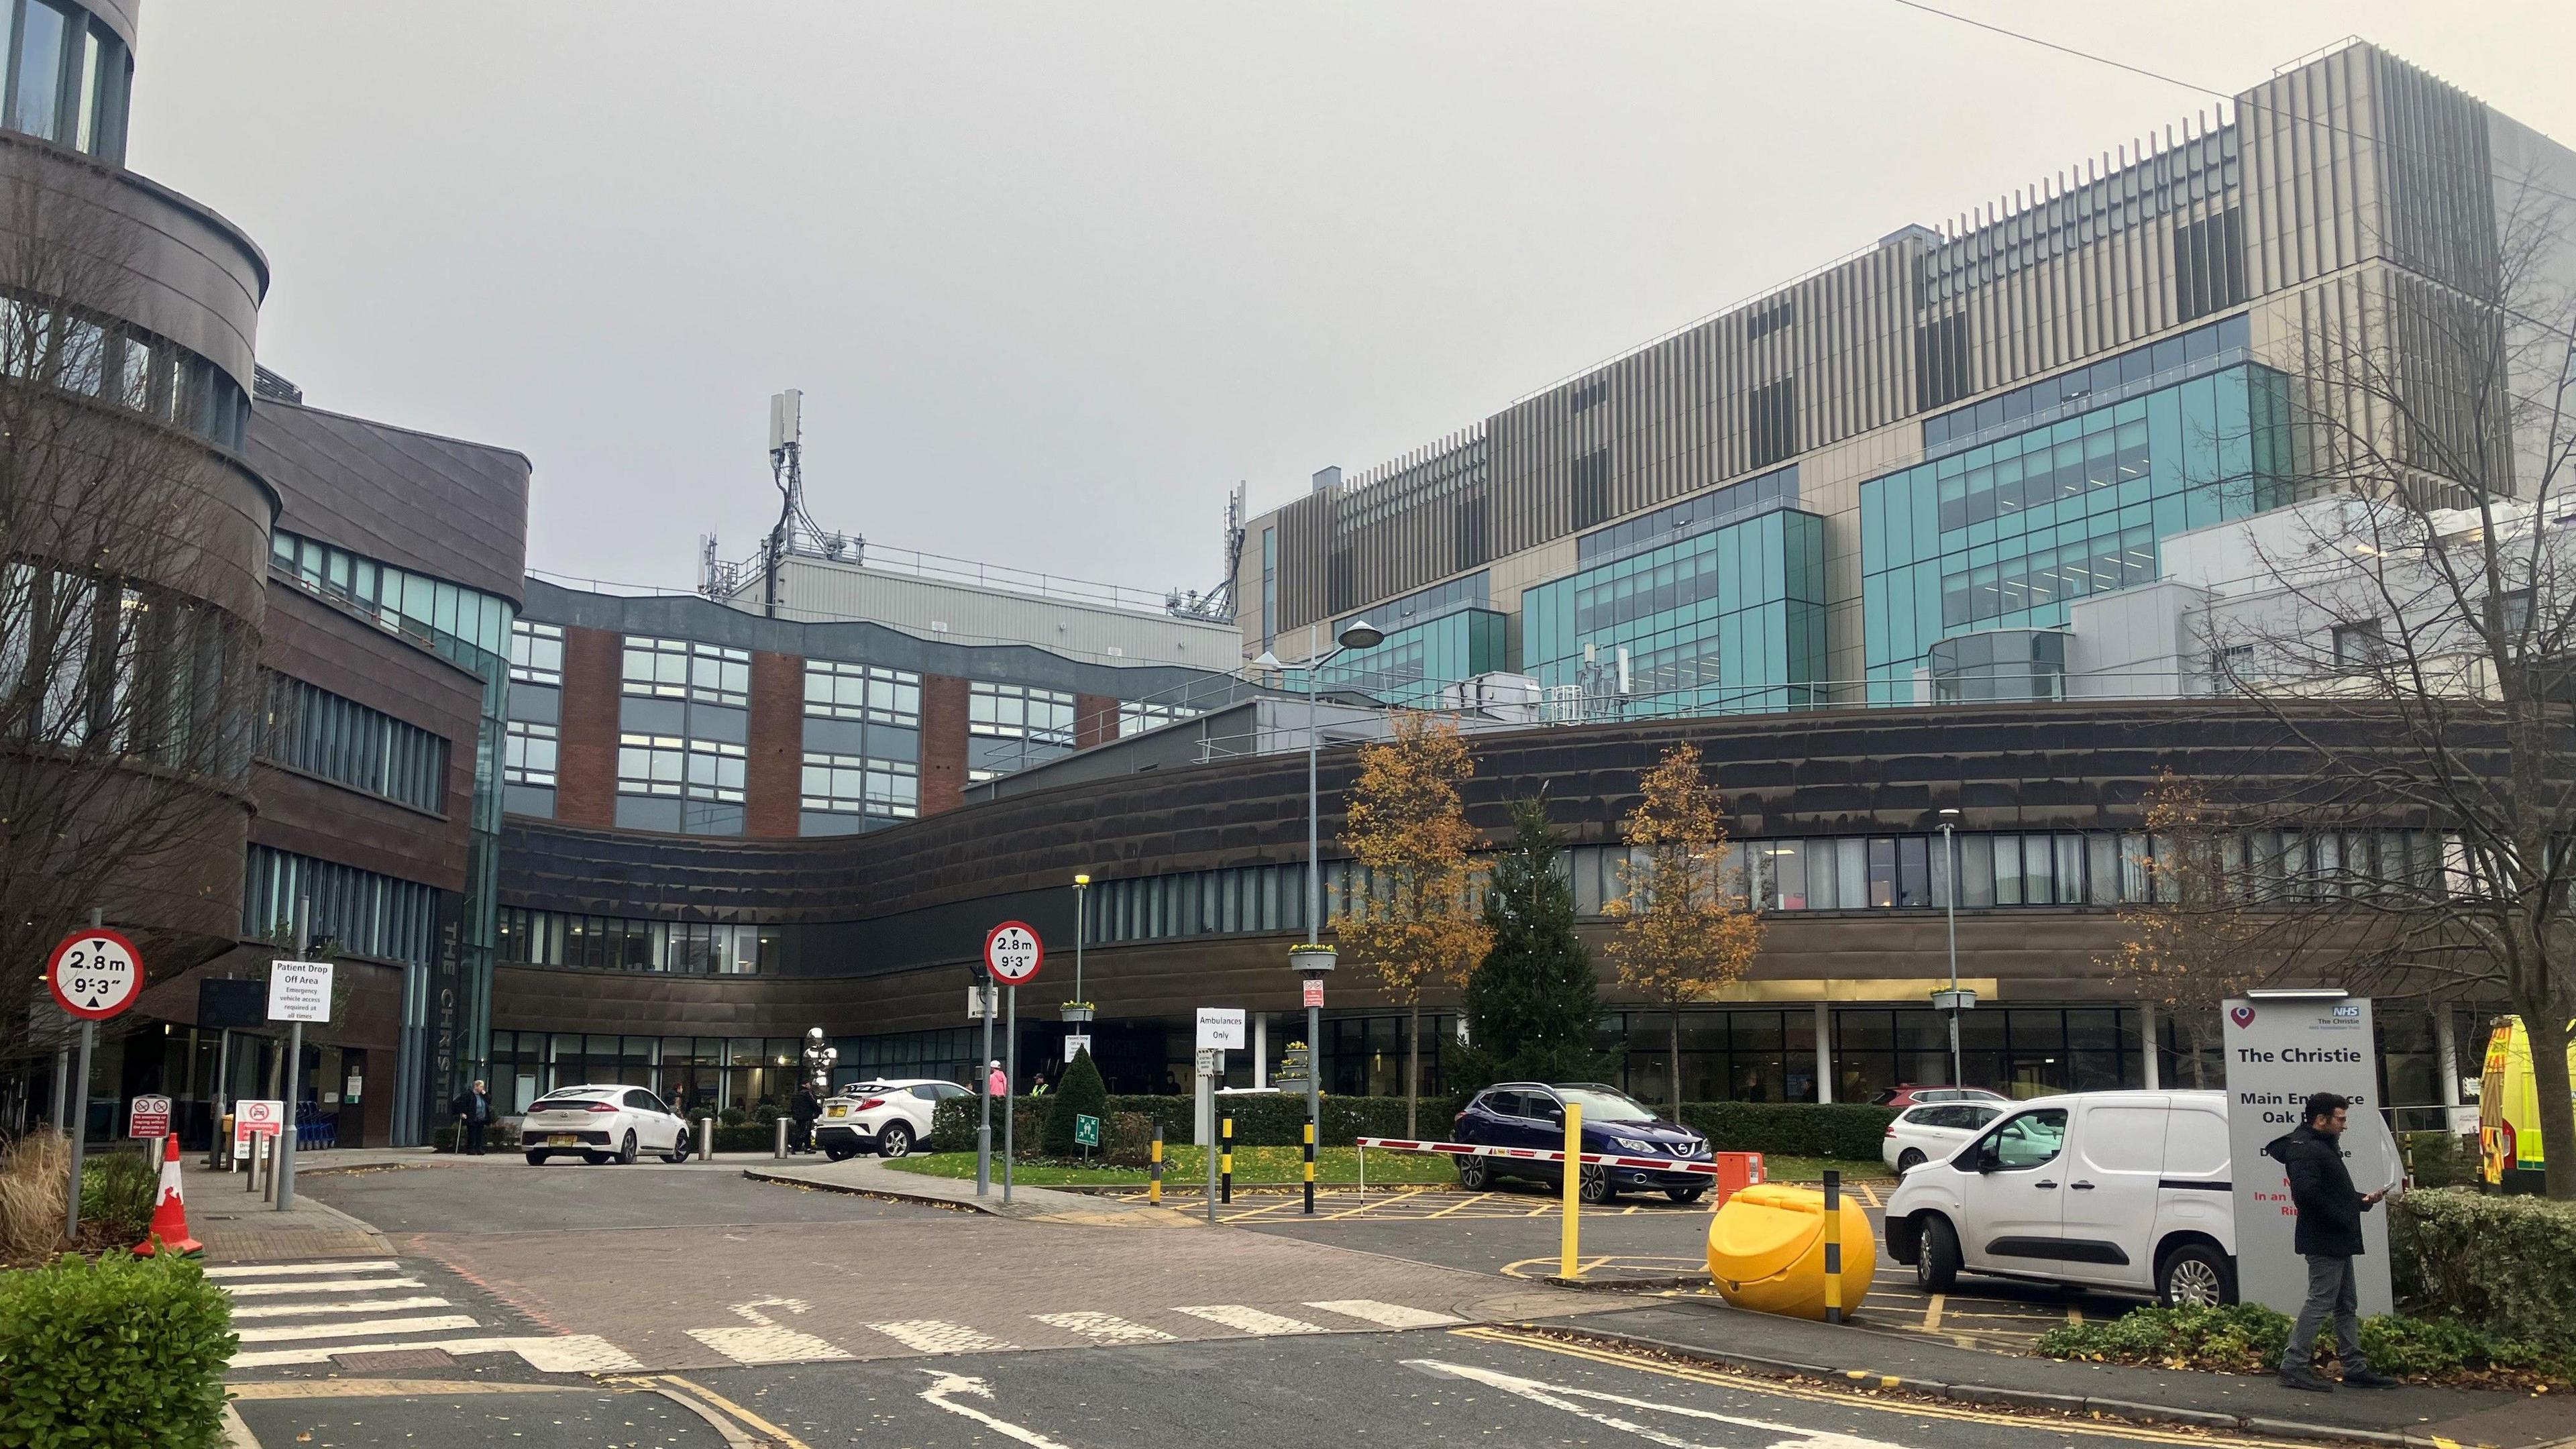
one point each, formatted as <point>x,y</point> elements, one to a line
<point>2127,1191</point>
<point>603,1124</point>
<point>889,1118</point>
<point>1933,1131</point>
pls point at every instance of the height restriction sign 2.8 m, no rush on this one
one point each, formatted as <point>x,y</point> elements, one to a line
<point>95,974</point>
<point>1012,953</point>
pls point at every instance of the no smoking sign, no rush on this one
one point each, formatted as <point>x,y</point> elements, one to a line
<point>95,974</point>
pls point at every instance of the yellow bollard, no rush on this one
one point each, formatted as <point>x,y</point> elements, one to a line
<point>1570,1250</point>
<point>1154,1174</point>
<point>1767,1251</point>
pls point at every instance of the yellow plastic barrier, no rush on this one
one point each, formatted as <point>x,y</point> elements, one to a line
<point>1766,1249</point>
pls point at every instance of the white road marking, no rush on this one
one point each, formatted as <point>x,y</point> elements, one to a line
<point>767,1345</point>
<point>288,1270</point>
<point>436,1323</point>
<point>1393,1315</point>
<point>1249,1320</point>
<point>336,1285</point>
<point>1561,1396</point>
<point>1104,1327</point>
<point>944,1385</point>
<point>359,1305</point>
<point>930,1335</point>
<point>574,1353</point>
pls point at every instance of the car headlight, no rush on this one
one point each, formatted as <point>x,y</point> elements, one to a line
<point>1631,1144</point>
<point>1695,1148</point>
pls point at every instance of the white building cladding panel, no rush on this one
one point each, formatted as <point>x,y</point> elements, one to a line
<point>821,591</point>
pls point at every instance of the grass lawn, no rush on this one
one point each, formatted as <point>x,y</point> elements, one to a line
<point>1184,1166</point>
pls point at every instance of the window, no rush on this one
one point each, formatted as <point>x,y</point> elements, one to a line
<point>536,653</point>
<point>311,729</point>
<point>1135,716</point>
<point>365,913</point>
<point>2029,1140</point>
<point>857,785</point>
<point>862,691</point>
<point>1014,711</point>
<point>716,771</point>
<point>42,36</point>
<point>2360,645</point>
<point>651,764</point>
<point>1269,588</point>
<point>529,754</point>
<point>686,669</point>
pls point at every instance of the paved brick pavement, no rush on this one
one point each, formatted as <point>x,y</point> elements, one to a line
<point>238,1227</point>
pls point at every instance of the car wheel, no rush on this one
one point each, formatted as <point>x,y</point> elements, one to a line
<point>536,1159</point>
<point>2195,1275</point>
<point>679,1148</point>
<point>840,1152</point>
<point>1473,1175</point>
<point>1686,1194</point>
<point>1908,1160</point>
<point>894,1141</point>
<point>626,1148</point>
<point>1596,1189</point>
<point>1936,1263</point>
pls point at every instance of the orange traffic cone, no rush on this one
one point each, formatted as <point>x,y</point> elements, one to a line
<point>170,1211</point>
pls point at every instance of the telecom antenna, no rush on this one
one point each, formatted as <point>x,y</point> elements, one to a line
<point>1216,605</point>
<point>787,470</point>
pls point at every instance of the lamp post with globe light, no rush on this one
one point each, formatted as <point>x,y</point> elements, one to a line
<point>1357,634</point>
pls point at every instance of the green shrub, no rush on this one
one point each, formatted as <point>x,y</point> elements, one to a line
<point>1127,1139</point>
<point>2241,1338</point>
<point>1851,1131</point>
<point>1080,1094</point>
<point>2440,1159</point>
<point>118,1191</point>
<point>497,1137</point>
<point>123,1353</point>
<point>2503,1265</point>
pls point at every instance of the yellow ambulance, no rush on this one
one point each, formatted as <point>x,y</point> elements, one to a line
<point>2509,1110</point>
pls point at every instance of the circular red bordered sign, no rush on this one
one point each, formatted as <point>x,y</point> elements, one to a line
<point>1013,953</point>
<point>95,974</point>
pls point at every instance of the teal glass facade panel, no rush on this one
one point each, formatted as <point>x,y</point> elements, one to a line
<point>2007,534</point>
<point>1722,622</point>
<point>1411,665</point>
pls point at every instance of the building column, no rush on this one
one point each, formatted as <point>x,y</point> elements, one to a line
<point>2446,1051</point>
<point>1260,1050</point>
<point>2147,1054</point>
<point>1824,1051</point>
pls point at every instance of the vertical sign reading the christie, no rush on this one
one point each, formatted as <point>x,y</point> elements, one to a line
<point>440,1086</point>
<point>2280,1052</point>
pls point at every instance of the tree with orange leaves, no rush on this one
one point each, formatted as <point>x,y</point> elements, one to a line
<point>1685,929</point>
<point>1414,922</point>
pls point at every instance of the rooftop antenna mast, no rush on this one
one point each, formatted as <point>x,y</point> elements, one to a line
<point>787,470</point>
<point>1217,604</point>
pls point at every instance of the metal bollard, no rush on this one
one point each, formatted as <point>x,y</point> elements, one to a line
<point>1154,1172</point>
<point>1833,1246</point>
<point>779,1150</point>
<point>1225,1158</point>
<point>706,1139</point>
<point>1310,1167</point>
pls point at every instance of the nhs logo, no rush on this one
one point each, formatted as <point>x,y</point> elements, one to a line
<point>2351,1012</point>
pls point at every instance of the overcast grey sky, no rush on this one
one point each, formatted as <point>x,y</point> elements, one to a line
<point>1053,276</point>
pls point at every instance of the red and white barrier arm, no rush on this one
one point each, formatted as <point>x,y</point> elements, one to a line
<point>1706,1167</point>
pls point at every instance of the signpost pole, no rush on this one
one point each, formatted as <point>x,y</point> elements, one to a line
<point>285,1168</point>
<point>984,1123</point>
<point>1010,1079</point>
<point>78,1122</point>
<point>221,1153</point>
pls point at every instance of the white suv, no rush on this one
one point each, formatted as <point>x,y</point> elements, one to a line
<point>889,1118</point>
<point>603,1124</point>
<point>2120,1190</point>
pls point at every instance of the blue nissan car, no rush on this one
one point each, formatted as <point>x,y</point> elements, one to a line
<point>1532,1114</point>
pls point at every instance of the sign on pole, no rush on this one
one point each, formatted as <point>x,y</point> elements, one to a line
<point>1221,1027</point>
<point>95,974</point>
<point>299,991</point>
<point>2281,1051</point>
<point>251,1119</point>
<point>148,1117</point>
<point>1086,1130</point>
<point>1314,991</point>
<point>982,1001</point>
<point>1076,1043</point>
<point>1013,954</point>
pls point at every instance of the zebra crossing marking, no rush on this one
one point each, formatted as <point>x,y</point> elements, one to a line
<point>336,1285</point>
<point>1104,1327</point>
<point>290,1270</point>
<point>364,1305</point>
<point>1391,1315</point>
<point>434,1323</point>
<point>769,1344</point>
<point>931,1335</point>
<point>1249,1320</point>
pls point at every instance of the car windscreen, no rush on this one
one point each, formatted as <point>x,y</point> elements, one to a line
<point>1600,1104</point>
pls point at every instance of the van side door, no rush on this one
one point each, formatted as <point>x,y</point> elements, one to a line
<point>2111,1191</point>
<point>2009,1193</point>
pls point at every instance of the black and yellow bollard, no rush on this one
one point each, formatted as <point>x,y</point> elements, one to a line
<point>1833,1246</point>
<point>1225,1158</point>
<point>1154,1169</point>
<point>1310,1167</point>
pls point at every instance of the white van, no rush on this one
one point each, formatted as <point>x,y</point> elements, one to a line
<point>2120,1190</point>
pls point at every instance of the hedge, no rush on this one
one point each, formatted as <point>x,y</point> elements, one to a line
<point>121,1353</point>
<point>1851,1131</point>
<point>2505,1265</point>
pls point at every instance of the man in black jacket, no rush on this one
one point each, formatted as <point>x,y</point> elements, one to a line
<point>2329,1237</point>
<point>473,1109</point>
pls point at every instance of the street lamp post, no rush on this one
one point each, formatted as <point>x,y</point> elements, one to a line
<point>1358,634</point>
<point>1950,855</point>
